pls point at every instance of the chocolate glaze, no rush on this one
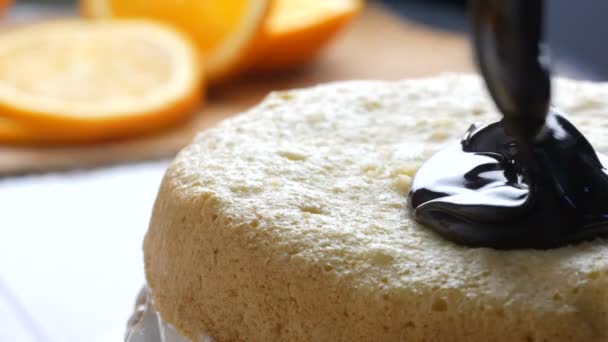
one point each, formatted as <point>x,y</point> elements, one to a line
<point>531,180</point>
<point>492,190</point>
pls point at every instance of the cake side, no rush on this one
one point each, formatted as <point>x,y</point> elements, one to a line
<point>290,223</point>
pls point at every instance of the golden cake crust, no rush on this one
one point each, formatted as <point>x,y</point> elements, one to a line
<point>289,222</point>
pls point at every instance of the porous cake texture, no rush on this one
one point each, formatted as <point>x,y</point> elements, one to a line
<point>290,223</point>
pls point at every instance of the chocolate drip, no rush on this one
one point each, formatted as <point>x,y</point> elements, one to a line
<point>531,180</point>
<point>507,36</point>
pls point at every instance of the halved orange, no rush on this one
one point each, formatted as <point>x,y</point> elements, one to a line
<point>84,81</point>
<point>224,30</point>
<point>296,30</point>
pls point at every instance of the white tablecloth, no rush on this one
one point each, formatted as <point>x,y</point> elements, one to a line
<point>70,252</point>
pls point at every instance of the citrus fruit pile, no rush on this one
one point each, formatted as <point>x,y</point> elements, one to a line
<point>137,66</point>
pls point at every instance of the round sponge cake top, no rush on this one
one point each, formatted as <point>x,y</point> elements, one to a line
<point>290,222</point>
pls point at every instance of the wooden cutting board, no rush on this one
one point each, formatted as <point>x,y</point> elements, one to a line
<point>378,45</point>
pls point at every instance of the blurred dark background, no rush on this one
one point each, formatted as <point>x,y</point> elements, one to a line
<point>574,28</point>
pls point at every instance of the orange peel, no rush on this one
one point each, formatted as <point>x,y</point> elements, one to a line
<point>296,30</point>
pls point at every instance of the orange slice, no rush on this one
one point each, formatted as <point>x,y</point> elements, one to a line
<point>224,30</point>
<point>3,5</point>
<point>297,29</point>
<point>84,81</point>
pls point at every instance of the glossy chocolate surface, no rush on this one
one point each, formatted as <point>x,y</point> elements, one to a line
<point>490,190</point>
<point>531,180</point>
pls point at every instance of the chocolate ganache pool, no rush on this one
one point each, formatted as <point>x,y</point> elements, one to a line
<point>531,180</point>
